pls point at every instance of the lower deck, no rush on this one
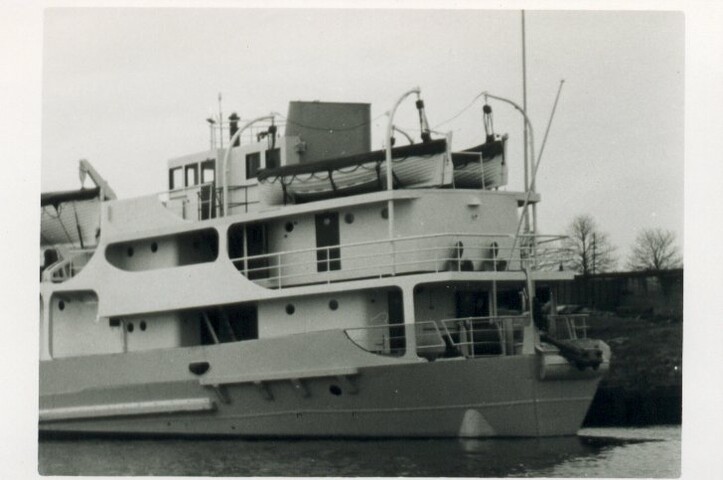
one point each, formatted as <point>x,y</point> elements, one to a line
<point>317,384</point>
<point>450,318</point>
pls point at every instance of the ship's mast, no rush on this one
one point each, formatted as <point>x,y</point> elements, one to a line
<point>220,121</point>
<point>524,123</point>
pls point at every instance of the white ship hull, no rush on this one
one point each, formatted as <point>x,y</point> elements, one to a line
<point>153,393</point>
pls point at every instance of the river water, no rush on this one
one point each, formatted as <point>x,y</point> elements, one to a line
<point>595,452</point>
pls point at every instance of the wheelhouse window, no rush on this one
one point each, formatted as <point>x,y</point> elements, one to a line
<point>175,178</point>
<point>208,171</point>
<point>191,175</point>
<point>253,163</point>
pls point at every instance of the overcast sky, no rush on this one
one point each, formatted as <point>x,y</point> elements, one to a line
<point>129,88</point>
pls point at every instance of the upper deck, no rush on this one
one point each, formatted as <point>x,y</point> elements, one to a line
<point>316,205</point>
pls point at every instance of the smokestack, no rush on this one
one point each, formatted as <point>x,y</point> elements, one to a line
<point>233,128</point>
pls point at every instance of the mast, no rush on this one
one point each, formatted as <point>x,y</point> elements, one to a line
<point>220,121</point>
<point>524,107</point>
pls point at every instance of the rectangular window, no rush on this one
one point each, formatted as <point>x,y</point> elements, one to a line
<point>175,178</point>
<point>191,175</point>
<point>253,162</point>
<point>273,158</point>
<point>208,171</point>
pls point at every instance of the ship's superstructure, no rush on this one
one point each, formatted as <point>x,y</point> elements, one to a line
<point>303,284</point>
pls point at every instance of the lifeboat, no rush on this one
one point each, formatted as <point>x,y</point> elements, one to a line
<point>413,166</point>
<point>482,166</point>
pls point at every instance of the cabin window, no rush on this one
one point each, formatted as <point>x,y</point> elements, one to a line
<point>273,158</point>
<point>208,171</point>
<point>189,248</point>
<point>253,163</point>
<point>175,178</point>
<point>191,175</point>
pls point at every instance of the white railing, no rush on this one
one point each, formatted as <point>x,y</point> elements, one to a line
<point>68,267</point>
<point>189,202</point>
<point>568,327</point>
<point>470,337</point>
<point>390,339</point>
<point>376,258</point>
<point>485,336</point>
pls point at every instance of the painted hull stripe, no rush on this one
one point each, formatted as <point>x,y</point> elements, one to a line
<point>130,408</point>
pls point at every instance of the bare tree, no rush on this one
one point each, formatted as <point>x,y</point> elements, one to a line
<point>655,249</point>
<point>586,249</point>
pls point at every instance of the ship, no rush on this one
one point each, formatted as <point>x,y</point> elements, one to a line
<point>302,284</point>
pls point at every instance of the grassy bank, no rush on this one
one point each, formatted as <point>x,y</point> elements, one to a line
<point>644,385</point>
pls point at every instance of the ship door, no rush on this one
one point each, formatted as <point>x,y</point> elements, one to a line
<point>327,235</point>
<point>397,342</point>
<point>481,337</point>
<point>207,193</point>
<point>257,245</point>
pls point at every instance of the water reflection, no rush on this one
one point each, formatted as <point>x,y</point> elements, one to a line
<point>600,452</point>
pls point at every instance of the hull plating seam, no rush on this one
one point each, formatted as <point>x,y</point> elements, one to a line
<point>419,409</point>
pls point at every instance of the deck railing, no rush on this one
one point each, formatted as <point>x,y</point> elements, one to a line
<point>204,201</point>
<point>485,336</point>
<point>469,337</point>
<point>568,327</point>
<point>461,252</point>
<point>67,267</point>
<point>390,339</point>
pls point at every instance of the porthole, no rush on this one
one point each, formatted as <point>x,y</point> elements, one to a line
<point>143,325</point>
<point>349,218</point>
<point>154,247</point>
<point>335,390</point>
<point>289,227</point>
<point>61,305</point>
<point>130,251</point>
<point>130,327</point>
<point>385,213</point>
<point>290,309</point>
<point>333,304</point>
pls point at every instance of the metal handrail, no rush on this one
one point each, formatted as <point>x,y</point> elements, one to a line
<point>383,344</point>
<point>435,257</point>
<point>574,325</point>
<point>67,267</point>
<point>216,197</point>
<point>468,341</point>
<point>403,239</point>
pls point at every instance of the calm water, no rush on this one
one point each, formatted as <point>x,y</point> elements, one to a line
<point>597,452</point>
